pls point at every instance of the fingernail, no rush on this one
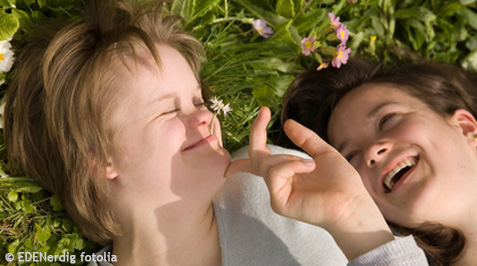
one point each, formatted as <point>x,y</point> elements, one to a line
<point>309,162</point>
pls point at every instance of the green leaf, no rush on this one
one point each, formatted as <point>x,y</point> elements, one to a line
<point>55,203</point>
<point>22,16</point>
<point>308,20</point>
<point>280,84</point>
<point>42,233</point>
<point>78,243</point>
<point>7,3</point>
<point>273,19</point>
<point>470,61</point>
<point>469,16</point>
<point>41,3</point>
<point>27,207</point>
<point>329,50</point>
<point>449,10</point>
<point>298,5</point>
<point>287,33</point>
<point>185,8</point>
<point>12,196</point>
<point>12,248</point>
<point>264,95</point>
<point>9,24</point>
<point>337,7</point>
<point>467,2</point>
<point>202,7</point>
<point>27,187</point>
<point>285,8</point>
<point>420,13</point>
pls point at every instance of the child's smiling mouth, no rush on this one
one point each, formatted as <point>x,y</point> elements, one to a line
<point>400,170</point>
<point>205,140</point>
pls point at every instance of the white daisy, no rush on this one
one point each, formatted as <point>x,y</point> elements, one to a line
<point>218,106</point>
<point>6,56</point>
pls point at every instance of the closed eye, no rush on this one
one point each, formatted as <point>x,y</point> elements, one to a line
<point>200,105</point>
<point>350,156</point>
<point>170,111</point>
<point>385,119</point>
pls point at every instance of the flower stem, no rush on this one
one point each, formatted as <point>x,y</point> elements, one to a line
<point>212,124</point>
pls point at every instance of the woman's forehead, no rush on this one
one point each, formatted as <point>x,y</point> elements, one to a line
<point>362,104</point>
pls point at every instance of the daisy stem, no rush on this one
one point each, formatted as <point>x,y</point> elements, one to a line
<point>212,124</point>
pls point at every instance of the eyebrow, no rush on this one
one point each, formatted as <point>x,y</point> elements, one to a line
<point>375,110</point>
<point>172,95</point>
<point>163,97</point>
<point>371,114</point>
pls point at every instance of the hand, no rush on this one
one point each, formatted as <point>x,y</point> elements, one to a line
<point>326,191</point>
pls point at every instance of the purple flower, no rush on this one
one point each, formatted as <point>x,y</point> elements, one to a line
<point>335,21</point>
<point>342,33</point>
<point>308,45</point>
<point>260,26</point>
<point>341,56</point>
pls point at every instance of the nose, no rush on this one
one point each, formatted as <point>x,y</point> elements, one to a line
<point>376,152</point>
<point>199,118</point>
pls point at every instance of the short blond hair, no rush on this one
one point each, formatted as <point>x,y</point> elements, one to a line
<point>62,97</point>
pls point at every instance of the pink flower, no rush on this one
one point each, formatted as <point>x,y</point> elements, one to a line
<point>354,1</point>
<point>322,66</point>
<point>335,21</point>
<point>260,26</point>
<point>342,33</point>
<point>341,56</point>
<point>308,45</point>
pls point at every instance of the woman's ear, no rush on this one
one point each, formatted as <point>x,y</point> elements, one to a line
<point>468,125</point>
<point>111,172</point>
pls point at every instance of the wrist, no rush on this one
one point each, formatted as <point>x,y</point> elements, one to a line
<point>363,230</point>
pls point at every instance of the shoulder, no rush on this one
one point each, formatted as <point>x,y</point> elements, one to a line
<point>100,258</point>
<point>244,216</point>
<point>274,149</point>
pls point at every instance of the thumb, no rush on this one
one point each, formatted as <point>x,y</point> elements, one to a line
<point>305,138</point>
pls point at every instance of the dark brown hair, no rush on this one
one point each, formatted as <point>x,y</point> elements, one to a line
<point>444,88</point>
<point>59,104</point>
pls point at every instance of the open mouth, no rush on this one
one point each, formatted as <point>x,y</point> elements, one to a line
<point>398,172</point>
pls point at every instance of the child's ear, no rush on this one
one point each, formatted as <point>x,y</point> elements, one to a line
<point>468,125</point>
<point>111,172</point>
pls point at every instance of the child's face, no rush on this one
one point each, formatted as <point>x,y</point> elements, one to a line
<point>414,163</point>
<point>165,149</point>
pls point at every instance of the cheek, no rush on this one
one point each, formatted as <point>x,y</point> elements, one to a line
<point>151,145</point>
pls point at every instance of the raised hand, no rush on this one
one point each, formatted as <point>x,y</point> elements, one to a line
<point>326,191</point>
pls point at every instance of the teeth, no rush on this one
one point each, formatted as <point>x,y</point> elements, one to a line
<point>388,179</point>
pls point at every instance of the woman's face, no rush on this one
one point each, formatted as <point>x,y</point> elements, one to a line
<point>414,163</point>
<point>166,152</point>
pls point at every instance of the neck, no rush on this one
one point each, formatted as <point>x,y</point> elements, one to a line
<point>469,256</point>
<point>174,238</point>
<point>466,223</point>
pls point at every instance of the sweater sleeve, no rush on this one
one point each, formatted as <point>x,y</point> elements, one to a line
<point>403,251</point>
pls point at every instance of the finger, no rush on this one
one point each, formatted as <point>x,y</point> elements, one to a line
<point>258,135</point>
<point>281,174</point>
<point>281,179</point>
<point>241,165</point>
<point>259,167</point>
<point>305,138</point>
